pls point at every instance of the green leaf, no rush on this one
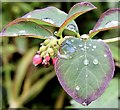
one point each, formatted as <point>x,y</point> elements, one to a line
<point>84,68</point>
<point>108,100</point>
<point>76,10</point>
<point>22,68</point>
<point>115,52</point>
<point>25,29</point>
<point>108,20</point>
<point>51,16</point>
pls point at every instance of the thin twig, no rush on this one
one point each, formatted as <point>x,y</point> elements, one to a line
<point>112,40</point>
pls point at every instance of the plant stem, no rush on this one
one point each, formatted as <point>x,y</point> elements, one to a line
<point>112,40</point>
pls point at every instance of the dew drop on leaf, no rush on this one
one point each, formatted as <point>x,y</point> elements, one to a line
<point>86,62</point>
<point>29,16</point>
<point>71,27</point>
<point>111,24</point>
<point>94,46</point>
<point>72,40</point>
<point>95,61</point>
<point>80,45</point>
<point>84,103</point>
<point>90,44</point>
<point>105,55</point>
<point>49,20</point>
<point>14,34</point>
<point>86,75</point>
<point>77,88</point>
<point>22,32</point>
<point>82,49</point>
<point>92,49</point>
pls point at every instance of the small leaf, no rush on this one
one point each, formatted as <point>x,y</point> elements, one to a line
<point>84,68</point>
<point>25,29</point>
<point>76,10</point>
<point>108,20</point>
<point>50,16</point>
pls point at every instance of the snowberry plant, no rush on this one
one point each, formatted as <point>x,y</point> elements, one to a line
<point>84,66</point>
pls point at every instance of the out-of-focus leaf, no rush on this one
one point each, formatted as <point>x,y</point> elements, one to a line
<point>74,12</point>
<point>115,51</point>
<point>108,20</point>
<point>108,100</point>
<point>21,44</point>
<point>36,88</point>
<point>8,49</point>
<point>84,68</point>
<point>22,68</point>
<point>25,29</point>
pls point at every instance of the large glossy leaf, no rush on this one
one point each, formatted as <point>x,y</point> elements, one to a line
<point>25,29</point>
<point>77,10</point>
<point>51,16</point>
<point>108,20</point>
<point>84,68</point>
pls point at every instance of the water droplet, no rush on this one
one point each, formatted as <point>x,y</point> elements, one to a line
<point>86,62</point>
<point>77,88</point>
<point>99,40</point>
<point>92,49</point>
<point>111,24</point>
<point>22,32</point>
<point>90,44</point>
<point>68,48</point>
<point>86,75</point>
<point>75,47</point>
<point>55,32</point>
<point>49,20</point>
<point>95,61</point>
<point>14,34</point>
<point>77,69</point>
<point>105,55</point>
<point>80,45</point>
<point>81,56</point>
<point>94,46</point>
<point>29,16</point>
<point>85,47</point>
<point>82,49</point>
<point>71,27</point>
<point>84,103</point>
<point>72,40</point>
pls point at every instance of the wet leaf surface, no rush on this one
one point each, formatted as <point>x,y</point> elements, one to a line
<point>108,20</point>
<point>84,68</point>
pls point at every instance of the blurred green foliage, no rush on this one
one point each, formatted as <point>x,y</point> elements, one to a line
<point>16,59</point>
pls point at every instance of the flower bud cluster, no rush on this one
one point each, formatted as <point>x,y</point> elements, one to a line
<point>47,53</point>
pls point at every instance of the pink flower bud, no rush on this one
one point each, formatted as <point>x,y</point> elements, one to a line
<point>54,60</point>
<point>47,58</point>
<point>37,59</point>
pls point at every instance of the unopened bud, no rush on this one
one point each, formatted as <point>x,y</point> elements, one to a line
<point>42,48</point>
<point>50,51</point>
<point>37,59</point>
<point>47,41</point>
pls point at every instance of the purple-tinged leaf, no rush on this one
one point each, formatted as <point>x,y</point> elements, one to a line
<point>77,10</point>
<point>25,29</point>
<point>51,16</point>
<point>84,68</point>
<point>108,20</point>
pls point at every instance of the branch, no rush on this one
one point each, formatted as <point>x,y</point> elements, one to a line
<point>112,40</point>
